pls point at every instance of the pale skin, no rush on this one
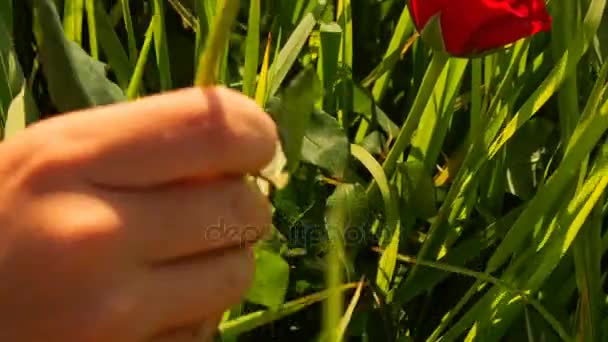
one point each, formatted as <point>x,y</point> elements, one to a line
<point>105,215</point>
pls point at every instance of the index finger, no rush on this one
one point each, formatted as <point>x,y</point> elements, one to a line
<point>168,137</point>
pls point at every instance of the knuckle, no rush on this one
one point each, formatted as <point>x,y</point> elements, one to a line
<point>56,159</point>
<point>79,223</point>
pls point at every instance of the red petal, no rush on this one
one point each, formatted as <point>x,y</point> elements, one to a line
<point>473,26</point>
<point>423,10</point>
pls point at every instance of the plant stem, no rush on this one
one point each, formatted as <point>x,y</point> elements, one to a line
<point>437,64</point>
<point>216,45</point>
<point>136,79</point>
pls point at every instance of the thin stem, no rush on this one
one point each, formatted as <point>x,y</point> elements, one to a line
<point>438,63</point>
<point>134,85</point>
<point>218,41</point>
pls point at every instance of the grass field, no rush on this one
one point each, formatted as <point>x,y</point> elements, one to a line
<point>428,199</point>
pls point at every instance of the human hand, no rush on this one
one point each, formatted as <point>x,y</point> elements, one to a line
<point>109,217</point>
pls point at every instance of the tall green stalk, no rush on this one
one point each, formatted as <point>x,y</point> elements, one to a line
<point>208,66</point>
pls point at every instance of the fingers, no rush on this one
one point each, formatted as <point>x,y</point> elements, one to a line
<point>184,220</point>
<point>189,292</point>
<point>166,138</point>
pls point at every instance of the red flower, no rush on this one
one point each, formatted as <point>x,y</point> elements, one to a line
<point>471,27</point>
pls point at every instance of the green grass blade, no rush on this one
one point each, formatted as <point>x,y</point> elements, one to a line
<point>249,322</point>
<point>390,235</point>
<point>329,56</point>
<point>162,46</point>
<point>565,68</point>
<point>136,81</point>
<point>92,25</point>
<point>17,106</point>
<point>128,20</point>
<point>11,78</point>
<point>588,265</point>
<point>289,53</point>
<point>344,210</point>
<point>436,67</point>
<point>262,86</point>
<point>252,49</point>
<point>209,64</point>
<point>73,19</point>
<point>404,28</point>
<point>112,47</point>
<point>585,136</point>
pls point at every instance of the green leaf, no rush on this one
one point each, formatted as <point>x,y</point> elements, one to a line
<point>112,47</point>
<point>22,112</point>
<point>345,217</point>
<point>364,104</point>
<point>292,112</point>
<point>419,189</point>
<point>404,28</point>
<point>271,279</point>
<point>252,52</point>
<point>6,15</point>
<point>72,20</point>
<point>128,21</point>
<point>289,53</point>
<point>11,76</point>
<point>162,47</point>
<point>391,233</point>
<point>137,79</point>
<point>525,152</point>
<point>432,34</point>
<point>326,144</point>
<point>75,80</point>
<point>330,35</point>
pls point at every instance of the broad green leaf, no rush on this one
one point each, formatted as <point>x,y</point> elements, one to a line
<point>292,111</point>
<point>271,279</point>
<point>326,144</point>
<point>75,80</point>
<point>21,113</point>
